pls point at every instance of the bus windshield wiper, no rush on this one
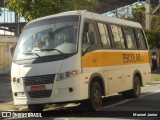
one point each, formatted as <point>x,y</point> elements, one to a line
<point>28,53</point>
<point>51,50</point>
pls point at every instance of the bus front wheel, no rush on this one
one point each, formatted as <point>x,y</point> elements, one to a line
<point>95,101</point>
<point>35,107</point>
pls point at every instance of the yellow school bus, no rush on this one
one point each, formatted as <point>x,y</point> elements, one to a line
<point>79,56</point>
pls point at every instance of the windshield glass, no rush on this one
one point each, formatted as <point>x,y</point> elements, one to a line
<point>48,37</point>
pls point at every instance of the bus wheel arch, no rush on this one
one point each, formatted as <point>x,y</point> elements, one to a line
<point>136,89</point>
<point>95,92</point>
<point>138,74</point>
<point>99,78</point>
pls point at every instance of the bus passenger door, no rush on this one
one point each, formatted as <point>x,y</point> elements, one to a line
<point>90,43</point>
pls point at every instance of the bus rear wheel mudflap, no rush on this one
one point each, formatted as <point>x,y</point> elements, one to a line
<point>35,107</point>
<point>135,92</point>
<point>95,100</point>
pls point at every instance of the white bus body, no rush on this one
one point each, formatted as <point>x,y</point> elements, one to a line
<point>111,58</point>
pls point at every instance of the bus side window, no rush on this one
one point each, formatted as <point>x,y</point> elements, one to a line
<point>89,39</point>
<point>141,39</point>
<point>130,38</point>
<point>85,39</point>
<point>104,35</point>
<point>117,36</point>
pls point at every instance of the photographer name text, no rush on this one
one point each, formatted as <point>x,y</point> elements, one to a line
<point>146,114</point>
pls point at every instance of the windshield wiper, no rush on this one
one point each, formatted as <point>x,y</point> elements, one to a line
<point>36,54</point>
<point>28,53</point>
<point>51,50</point>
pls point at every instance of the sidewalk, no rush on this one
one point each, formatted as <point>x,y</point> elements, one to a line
<point>6,99</point>
<point>5,88</point>
<point>157,71</point>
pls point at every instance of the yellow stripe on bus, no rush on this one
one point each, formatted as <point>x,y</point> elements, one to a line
<point>101,59</point>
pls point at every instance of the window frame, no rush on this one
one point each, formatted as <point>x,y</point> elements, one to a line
<point>134,34</point>
<point>111,38</point>
<point>125,47</point>
<point>144,39</point>
<point>97,37</point>
<point>109,34</point>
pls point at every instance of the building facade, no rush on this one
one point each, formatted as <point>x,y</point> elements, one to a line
<point>7,43</point>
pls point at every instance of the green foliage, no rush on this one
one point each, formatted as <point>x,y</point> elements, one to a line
<point>153,37</point>
<point>139,14</point>
<point>155,22</point>
<point>32,9</point>
<point>139,9</point>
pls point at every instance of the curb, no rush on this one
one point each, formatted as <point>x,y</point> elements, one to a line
<point>153,82</point>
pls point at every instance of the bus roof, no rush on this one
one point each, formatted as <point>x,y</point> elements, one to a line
<point>95,16</point>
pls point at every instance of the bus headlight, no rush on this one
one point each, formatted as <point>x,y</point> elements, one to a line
<point>62,76</point>
<point>67,74</point>
<point>16,80</point>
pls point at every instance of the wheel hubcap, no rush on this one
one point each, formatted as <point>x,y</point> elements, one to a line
<point>97,96</point>
<point>137,88</point>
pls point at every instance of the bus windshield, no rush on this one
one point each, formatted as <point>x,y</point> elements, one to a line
<point>48,37</point>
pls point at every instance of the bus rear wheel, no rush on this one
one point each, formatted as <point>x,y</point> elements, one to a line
<point>95,101</point>
<point>35,107</point>
<point>135,92</point>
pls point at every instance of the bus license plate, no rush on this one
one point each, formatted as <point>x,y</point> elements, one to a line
<point>37,88</point>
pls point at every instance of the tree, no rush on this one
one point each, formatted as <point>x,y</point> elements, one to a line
<point>139,14</point>
<point>155,22</point>
<point>153,37</point>
<point>32,9</point>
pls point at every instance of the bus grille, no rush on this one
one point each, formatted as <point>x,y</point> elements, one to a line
<point>40,94</point>
<point>37,80</point>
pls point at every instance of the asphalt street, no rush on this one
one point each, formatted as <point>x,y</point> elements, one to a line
<point>113,106</point>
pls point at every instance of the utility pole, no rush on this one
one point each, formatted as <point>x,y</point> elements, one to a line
<point>17,22</point>
<point>4,4</point>
<point>148,14</point>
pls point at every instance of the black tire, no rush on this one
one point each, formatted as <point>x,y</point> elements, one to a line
<point>126,94</point>
<point>95,101</point>
<point>135,92</point>
<point>35,107</point>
